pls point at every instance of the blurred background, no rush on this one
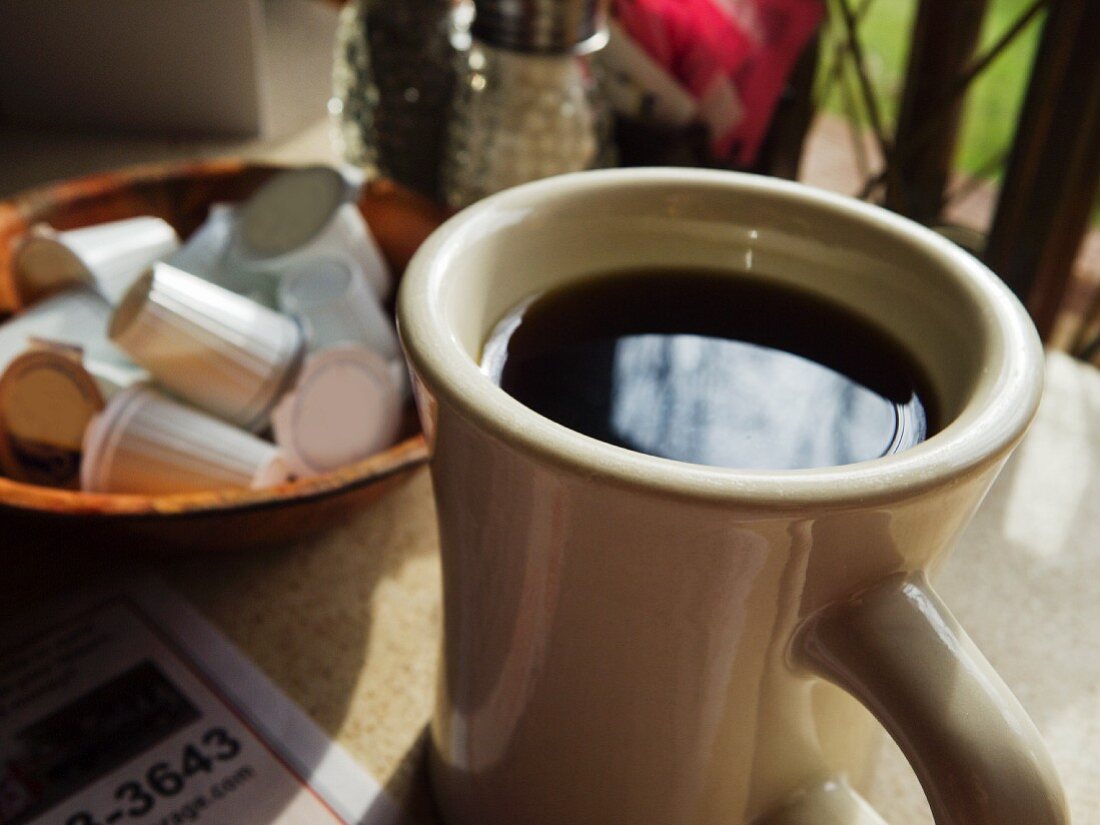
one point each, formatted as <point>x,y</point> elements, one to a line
<point>979,118</point>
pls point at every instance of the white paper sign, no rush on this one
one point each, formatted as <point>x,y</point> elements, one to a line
<point>124,706</point>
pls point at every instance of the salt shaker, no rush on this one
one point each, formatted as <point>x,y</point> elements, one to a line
<point>528,102</point>
<point>392,80</point>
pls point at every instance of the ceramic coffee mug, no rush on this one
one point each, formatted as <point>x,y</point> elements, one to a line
<point>629,639</point>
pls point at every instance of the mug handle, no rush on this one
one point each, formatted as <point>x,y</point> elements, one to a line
<point>897,649</point>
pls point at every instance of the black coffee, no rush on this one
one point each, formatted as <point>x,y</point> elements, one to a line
<point>699,366</point>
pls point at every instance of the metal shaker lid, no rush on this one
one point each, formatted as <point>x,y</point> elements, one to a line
<point>542,26</point>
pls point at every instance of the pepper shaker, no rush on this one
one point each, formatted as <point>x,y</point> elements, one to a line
<point>393,77</point>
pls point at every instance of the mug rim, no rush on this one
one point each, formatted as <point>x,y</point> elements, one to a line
<point>997,415</point>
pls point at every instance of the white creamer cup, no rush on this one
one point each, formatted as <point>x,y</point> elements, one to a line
<point>206,253</point>
<point>216,349</point>
<point>76,317</point>
<point>345,406</point>
<point>110,256</point>
<point>203,252</point>
<point>330,296</point>
<point>299,215</point>
<point>345,234</point>
<point>144,442</point>
<point>47,398</point>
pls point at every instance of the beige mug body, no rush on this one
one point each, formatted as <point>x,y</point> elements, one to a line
<point>632,639</point>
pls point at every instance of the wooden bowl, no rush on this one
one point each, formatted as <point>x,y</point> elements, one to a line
<point>221,519</point>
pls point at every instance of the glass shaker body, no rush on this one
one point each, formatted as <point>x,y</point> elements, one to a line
<point>519,116</point>
<point>393,77</point>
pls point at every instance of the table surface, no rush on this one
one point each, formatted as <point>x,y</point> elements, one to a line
<point>347,624</point>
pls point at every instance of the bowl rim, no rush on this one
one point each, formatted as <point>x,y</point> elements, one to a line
<point>23,209</point>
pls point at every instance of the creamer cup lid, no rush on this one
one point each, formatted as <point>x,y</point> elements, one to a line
<point>314,284</point>
<point>47,399</point>
<point>42,265</point>
<point>290,210</point>
<point>345,407</point>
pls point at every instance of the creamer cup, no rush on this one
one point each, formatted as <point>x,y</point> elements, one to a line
<point>145,442</point>
<point>218,350</point>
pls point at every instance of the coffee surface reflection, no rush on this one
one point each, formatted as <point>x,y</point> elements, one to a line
<point>712,367</point>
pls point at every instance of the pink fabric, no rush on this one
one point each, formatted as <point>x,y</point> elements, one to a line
<point>749,45</point>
